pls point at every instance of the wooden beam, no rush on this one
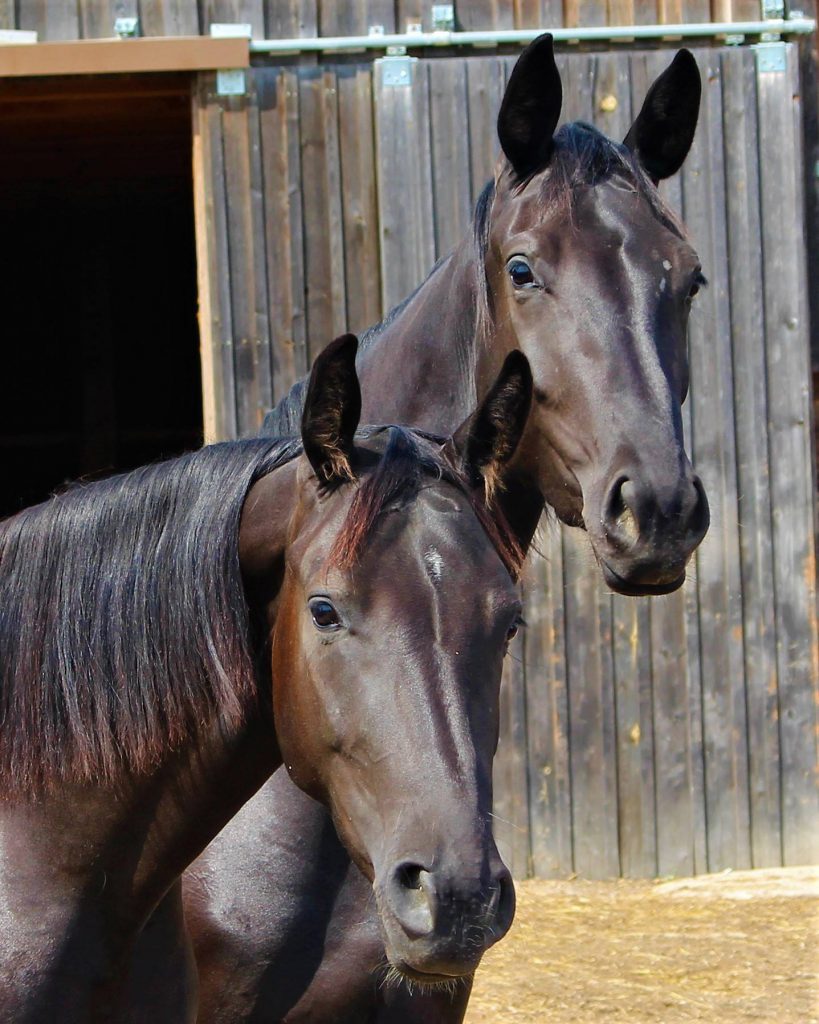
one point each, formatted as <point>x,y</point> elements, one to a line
<point>112,56</point>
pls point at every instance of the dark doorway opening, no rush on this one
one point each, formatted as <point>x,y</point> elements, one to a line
<point>99,349</point>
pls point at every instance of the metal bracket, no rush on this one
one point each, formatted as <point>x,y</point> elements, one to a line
<point>126,28</point>
<point>770,57</point>
<point>17,37</point>
<point>443,17</point>
<point>231,82</point>
<point>773,9</point>
<point>231,30</point>
<point>397,69</point>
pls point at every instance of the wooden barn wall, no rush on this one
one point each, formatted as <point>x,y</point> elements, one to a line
<point>91,19</point>
<point>640,737</point>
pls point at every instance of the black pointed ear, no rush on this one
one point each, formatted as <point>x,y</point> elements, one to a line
<point>531,107</point>
<point>332,410</point>
<point>664,129</point>
<point>488,439</point>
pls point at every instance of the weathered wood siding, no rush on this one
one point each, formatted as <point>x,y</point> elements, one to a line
<point>640,737</point>
<point>93,19</point>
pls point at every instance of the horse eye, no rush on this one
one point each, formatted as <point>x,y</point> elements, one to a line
<point>325,617</point>
<point>514,629</point>
<point>520,272</point>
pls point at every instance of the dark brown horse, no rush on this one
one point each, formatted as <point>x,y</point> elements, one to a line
<point>145,622</point>
<point>575,259</point>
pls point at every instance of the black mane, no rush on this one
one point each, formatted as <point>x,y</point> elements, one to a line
<point>123,622</point>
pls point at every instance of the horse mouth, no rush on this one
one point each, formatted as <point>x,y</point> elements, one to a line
<point>629,588</point>
<point>401,973</point>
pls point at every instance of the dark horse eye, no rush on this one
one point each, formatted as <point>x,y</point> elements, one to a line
<point>513,630</point>
<point>325,617</point>
<point>520,272</point>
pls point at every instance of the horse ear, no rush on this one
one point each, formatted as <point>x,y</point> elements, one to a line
<point>664,129</point>
<point>531,107</point>
<point>487,440</point>
<point>332,410</point>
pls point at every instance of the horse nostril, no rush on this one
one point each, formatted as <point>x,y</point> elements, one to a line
<point>411,898</point>
<point>620,512</point>
<point>505,905</point>
<point>409,876</point>
<point>700,518</point>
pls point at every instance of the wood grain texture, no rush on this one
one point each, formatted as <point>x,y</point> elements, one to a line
<point>244,12</point>
<point>278,91</point>
<point>405,212</point>
<point>747,273</point>
<point>359,196</point>
<point>50,19</point>
<point>321,191</point>
<point>168,18</point>
<point>792,462</point>
<point>449,139</point>
<point>215,317</point>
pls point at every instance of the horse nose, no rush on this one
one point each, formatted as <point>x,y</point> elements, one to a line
<point>636,514</point>
<point>449,922</point>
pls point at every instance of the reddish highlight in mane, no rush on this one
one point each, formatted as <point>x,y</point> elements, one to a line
<point>406,460</point>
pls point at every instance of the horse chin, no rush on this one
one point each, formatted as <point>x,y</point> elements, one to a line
<point>399,973</point>
<point>641,587</point>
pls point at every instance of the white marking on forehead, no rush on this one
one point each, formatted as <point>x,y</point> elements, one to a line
<point>434,563</point>
<point>662,285</point>
<point>667,264</point>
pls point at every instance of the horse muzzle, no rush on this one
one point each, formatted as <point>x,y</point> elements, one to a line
<point>437,924</point>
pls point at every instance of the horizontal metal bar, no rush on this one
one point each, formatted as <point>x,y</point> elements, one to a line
<point>603,33</point>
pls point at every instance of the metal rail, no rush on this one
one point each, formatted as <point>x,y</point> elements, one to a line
<point>767,30</point>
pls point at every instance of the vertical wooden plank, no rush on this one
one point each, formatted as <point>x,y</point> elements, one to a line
<point>321,191</point>
<point>213,265</point>
<point>584,13</point>
<point>485,77</point>
<point>248,272</point>
<point>510,804</point>
<point>404,184</point>
<point>753,471</point>
<point>538,14</point>
<point>449,131</point>
<point>792,459</point>
<point>284,226</point>
<point>168,18</point>
<point>360,200</point>
<point>620,12</point>
<point>411,12</point>
<point>290,19</point>
<point>50,19</point>
<point>474,15</point>
<point>591,713</point>
<point>718,570</point>
<point>354,17</point>
<point>7,15</point>
<point>645,12</point>
<point>547,712</point>
<point>245,12</point>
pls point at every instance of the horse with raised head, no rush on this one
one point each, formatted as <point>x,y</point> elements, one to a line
<point>357,585</point>
<point>575,259</point>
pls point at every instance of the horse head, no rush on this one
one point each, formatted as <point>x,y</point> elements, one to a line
<point>590,275</point>
<point>394,606</point>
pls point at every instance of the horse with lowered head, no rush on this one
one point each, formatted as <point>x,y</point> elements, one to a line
<point>354,591</point>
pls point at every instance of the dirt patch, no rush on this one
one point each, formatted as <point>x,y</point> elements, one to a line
<point>731,948</point>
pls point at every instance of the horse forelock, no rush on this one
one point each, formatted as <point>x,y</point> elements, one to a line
<point>409,458</point>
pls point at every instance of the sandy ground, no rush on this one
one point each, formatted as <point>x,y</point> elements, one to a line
<point>729,948</point>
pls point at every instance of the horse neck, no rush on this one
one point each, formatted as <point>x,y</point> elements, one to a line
<point>420,369</point>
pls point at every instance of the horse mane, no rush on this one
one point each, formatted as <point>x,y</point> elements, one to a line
<point>410,457</point>
<point>123,622</point>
